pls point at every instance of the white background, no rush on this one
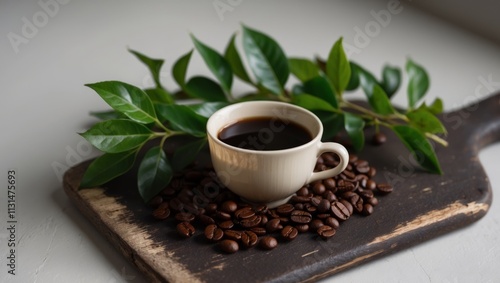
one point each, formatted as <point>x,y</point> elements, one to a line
<point>44,104</point>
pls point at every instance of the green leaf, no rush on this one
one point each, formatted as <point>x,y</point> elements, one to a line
<point>186,154</point>
<point>332,123</point>
<point>425,121</point>
<point>113,136</point>
<point>233,58</point>
<point>379,101</point>
<point>266,60</point>
<point>366,80</point>
<point>179,69</point>
<point>154,173</point>
<point>354,125</point>
<point>354,79</point>
<point>216,63</point>
<point>127,99</point>
<point>320,87</point>
<point>419,146</point>
<point>311,102</point>
<point>435,108</point>
<point>208,108</point>
<point>418,83</point>
<point>391,79</point>
<point>159,95</point>
<point>205,88</point>
<point>107,114</point>
<point>338,68</point>
<point>154,65</point>
<point>107,167</point>
<point>303,69</point>
<point>183,118</point>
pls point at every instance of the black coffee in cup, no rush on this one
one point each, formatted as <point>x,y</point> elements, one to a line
<point>265,133</point>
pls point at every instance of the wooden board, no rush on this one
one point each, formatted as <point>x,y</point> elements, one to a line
<point>422,206</point>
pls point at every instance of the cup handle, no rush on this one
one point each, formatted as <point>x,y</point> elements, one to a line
<point>344,160</point>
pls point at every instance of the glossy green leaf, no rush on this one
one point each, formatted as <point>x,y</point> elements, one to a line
<point>303,69</point>
<point>419,146</point>
<point>234,59</point>
<point>186,154</point>
<point>332,123</point>
<point>338,68</point>
<point>107,167</point>
<point>154,173</point>
<point>366,80</point>
<point>418,83</point>
<point>425,121</point>
<point>127,99</point>
<point>208,108</point>
<point>205,88</point>
<point>266,60</point>
<point>311,102</point>
<point>379,101</point>
<point>216,63</point>
<point>354,125</point>
<point>179,69</point>
<point>321,88</point>
<point>183,118</point>
<point>107,114</point>
<point>159,95</point>
<point>154,65</point>
<point>354,79</point>
<point>435,108</point>
<point>113,136</point>
<point>391,80</point>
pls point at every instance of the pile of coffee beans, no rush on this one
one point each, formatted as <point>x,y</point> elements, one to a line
<point>199,202</point>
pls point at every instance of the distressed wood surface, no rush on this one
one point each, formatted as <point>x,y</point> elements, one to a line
<point>422,206</point>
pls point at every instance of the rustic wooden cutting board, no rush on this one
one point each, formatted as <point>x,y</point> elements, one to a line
<point>422,206</point>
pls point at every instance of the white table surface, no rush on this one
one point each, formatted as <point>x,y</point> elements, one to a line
<point>44,104</point>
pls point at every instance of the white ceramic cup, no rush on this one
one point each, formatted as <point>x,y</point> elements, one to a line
<point>270,177</point>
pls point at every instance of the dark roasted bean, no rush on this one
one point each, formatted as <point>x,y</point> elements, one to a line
<point>161,213</point>
<point>245,212</point>
<point>184,216</point>
<point>323,206</point>
<point>333,222</point>
<point>249,239</point>
<point>340,211</point>
<point>318,188</point>
<point>229,206</point>
<point>185,229</point>
<point>223,215</point>
<point>261,209</point>
<point>260,231</point>
<point>213,233</point>
<point>263,219</point>
<point>206,220</point>
<point>384,188</point>
<point>330,196</point>
<point>372,172</point>
<point>229,246</point>
<point>373,201</point>
<point>301,217</point>
<point>285,209</point>
<point>176,204</point>
<point>273,225</point>
<point>371,185</point>
<point>156,201</point>
<point>326,232</point>
<point>211,208</point>
<point>232,235</point>
<point>299,206</point>
<point>289,233</point>
<point>251,221</point>
<point>303,191</point>
<point>322,215</point>
<point>315,200</point>
<point>348,206</point>
<point>366,194</point>
<point>330,184</point>
<point>228,224</point>
<point>300,199</point>
<point>367,209</point>
<point>268,243</point>
<point>315,224</point>
<point>302,228</point>
<point>379,138</point>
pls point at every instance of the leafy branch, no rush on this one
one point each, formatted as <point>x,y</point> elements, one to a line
<point>141,115</point>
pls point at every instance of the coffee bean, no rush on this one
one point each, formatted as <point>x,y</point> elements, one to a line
<point>285,209</point>
<point>303,192</point>
<point>261,209</point>
<point>161,213</point>
<point>348,206</point>
<point>299,206</point>
<point>340,211</point>
<point>273,213</point>
<point>310,208</point>
<point>330,196</point>
<point>349,175</point>
<point>353,158</point>
<point>379,138</point>
<point>289,233</point>
<point>260,231</point>
<point>249,239</point>
<point>372,172</point>
<point>326,232</point>
<point>211,208</point>
<point>251,221</point>
<point>315,224</point>
<point>363,168</point>
<point>206,220</point>
<point>300,199</point>
<point>371,185</point>
<point>184,217</point>
<point>319,188</point>
<point>366,194</point>
<point>367,209</point>
<point>301,217</point>
<point>323,206</point>
<point>229,206</point>
<point>384,188</point>
<point>273,225</point>
<point>373,201</point>
<point>332,222</point>
<point>302,228</point>
<point>243,213</point>
<point>232,235</point>
<point>229,246</point>
<point>176,204</point>
<point>357,203</point>
<point>330,184</point>
<point>322,216</point>
<point>168,192</point>
<point>268,242</point>
<point>345,186</point>
<point>263,219</point>
<point>185,229</point>
<point>213,233</point>
<point>156,201</point>
<point>223,215</point>
<point>228,224</point>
